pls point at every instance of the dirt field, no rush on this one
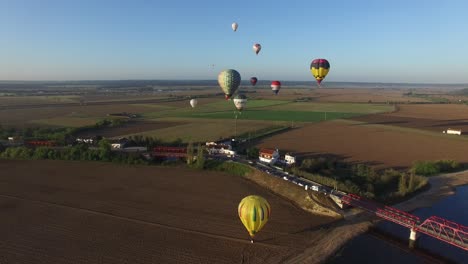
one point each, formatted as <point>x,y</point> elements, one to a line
<point>433,117</point>
<point>131,127</point>
<point>379,145</point>
<point>75,212</point>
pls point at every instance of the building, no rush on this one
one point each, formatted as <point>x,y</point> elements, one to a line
<point>166,152</point>
<point>214,148</point>
<point>86,140</point>
<point>120,144</point>
<point>289,159</point>
<point>453,131</point>
<point>269,156</point>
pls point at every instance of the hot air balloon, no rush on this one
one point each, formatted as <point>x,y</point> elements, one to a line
<point>240,101</point>
<point>234,26</point>
<point>319,69</point>
<point>253,81</point>
<point>257,47</point>
<point>275,86</point>
<point>254,211</point>
<point>229,80</point>
<point>193,102</point>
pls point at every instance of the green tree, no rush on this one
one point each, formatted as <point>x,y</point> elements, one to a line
<point>190,153</point>
<point>252,153</point>
<point>411,183</point>
<point>402,189</point>
<point>105,152</point>
<point>200,157</point>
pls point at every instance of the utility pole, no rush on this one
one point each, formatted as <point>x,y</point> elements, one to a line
<point>235,126</point>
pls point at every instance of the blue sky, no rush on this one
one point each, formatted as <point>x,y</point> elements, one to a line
<point>365,41</point>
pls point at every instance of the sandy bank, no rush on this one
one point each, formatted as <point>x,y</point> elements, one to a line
<point>442,186</point>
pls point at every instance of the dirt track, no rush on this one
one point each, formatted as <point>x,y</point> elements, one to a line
<point>75,212</point>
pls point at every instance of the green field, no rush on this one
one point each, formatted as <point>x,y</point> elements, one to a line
<point>297,116</point>
<point>274,110</point>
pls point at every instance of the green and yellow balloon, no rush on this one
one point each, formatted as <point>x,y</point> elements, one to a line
<point>254,212</point>
<point>229,80</point>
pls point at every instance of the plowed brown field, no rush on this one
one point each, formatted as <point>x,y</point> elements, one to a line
<point>379,145</point>
<point>433,117</point>
<point>78,212</point>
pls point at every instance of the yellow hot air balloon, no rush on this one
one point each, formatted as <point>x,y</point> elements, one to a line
<point>254,211</point>
<point>319,69</point>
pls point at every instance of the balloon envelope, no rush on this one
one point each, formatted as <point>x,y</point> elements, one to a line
<point>240,101</point>
<point>275,86</point>
<point>193,102</point>
<point>253,81</point>
<point>319,69</point>
<point>254,212</point>
<point>234,26</point>
<point>257,47</point>
<point>229,80</point>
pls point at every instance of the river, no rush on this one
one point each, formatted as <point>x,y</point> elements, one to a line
<point>373,247</point>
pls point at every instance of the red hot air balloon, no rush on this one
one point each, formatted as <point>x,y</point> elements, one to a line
<point>275,86</point>
<point>257,47</point>
<point>253,81</point>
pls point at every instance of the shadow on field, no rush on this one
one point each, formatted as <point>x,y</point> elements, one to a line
<point>464,122</point>
<point>393,122</point>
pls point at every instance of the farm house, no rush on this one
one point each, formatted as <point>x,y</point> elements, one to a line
<point>453,131</point>
<point>269,156</point>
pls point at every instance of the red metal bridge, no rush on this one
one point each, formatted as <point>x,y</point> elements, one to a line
<point>439,228</point>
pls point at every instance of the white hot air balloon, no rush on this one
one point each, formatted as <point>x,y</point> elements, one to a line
<point>240,101</point>
<point>234,26</point>
<point>193,102</point>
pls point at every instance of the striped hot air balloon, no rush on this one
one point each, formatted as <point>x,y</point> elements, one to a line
<point>275,86</point>
<point>229,80</point>
<point>254,212</point>
<point>319,69</point>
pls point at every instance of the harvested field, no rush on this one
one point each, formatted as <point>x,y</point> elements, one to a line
<point>379,145</point>
<point>69,212</point>
<point>131,127</point>
<point>433,117</point>
<point>32,117</point>
<point>201,130</point>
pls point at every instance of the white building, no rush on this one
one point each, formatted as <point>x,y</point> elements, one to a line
<point>453,131</point>
<point>269,156</point>
<point>289,159</point>
<point>223,149</point>
<point>85,140</point>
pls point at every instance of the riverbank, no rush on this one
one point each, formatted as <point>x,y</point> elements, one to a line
<point>441,187</point>
<point>358,222</point>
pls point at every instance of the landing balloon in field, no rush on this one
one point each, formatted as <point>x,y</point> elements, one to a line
<point>234,26</point>
<point>275,86</point>
<point>229,80</point>
<point>257,47</point>
<point>253,81</point>
<point>240,101</point>
<point>193,103</point>
<point>254,212</point>
<point>319,69</point>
